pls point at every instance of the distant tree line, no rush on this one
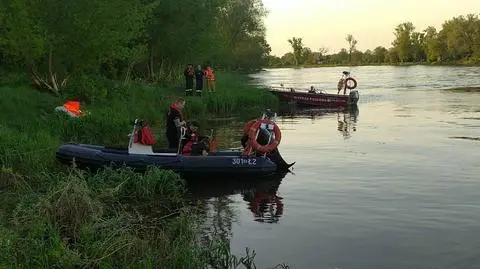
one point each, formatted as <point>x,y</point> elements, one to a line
<point>458,42</point>
<point>55,40</point>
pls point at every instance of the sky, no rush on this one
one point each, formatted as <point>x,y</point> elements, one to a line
<point>326,23</point>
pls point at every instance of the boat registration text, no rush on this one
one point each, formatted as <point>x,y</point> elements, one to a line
<point>243,161</point>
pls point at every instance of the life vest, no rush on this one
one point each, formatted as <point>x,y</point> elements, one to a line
<point>145,136</point>
<point>188,146</point>
<point>73,107</point>
<point>174,107</point>
<point>209,74</point>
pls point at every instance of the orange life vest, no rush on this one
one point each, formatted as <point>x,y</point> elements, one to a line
<point>209,74</point>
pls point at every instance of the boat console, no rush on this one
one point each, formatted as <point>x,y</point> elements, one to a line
<point>138,148</point>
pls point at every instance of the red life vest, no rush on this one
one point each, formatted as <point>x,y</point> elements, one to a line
<point>174,107</point>
<point>188,146</point>
<point>145,136</point>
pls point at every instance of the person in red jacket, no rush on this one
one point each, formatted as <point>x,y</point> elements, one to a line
<point>193,143</point>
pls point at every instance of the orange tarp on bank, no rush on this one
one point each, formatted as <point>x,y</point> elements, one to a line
<point>73,107</point>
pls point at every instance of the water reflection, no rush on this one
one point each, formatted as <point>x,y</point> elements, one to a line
<point>347,122</point>
<point>266,205</point>
<point>347,118</point>
<point>261,196</point>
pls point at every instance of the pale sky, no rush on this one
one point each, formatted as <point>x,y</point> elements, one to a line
<point>326,23</point>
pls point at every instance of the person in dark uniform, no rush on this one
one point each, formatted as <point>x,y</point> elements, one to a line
<point>174,123</point>
<point>198,80</point>
<point>263,136</point>
<point>189,79</point>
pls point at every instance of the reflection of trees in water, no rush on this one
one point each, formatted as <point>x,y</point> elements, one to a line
<point>227,134</point>
<point>217,214</point>
<point>260,195</point>
<point>216,217</point>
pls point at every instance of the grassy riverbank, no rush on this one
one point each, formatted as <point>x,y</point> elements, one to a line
<point>54,217</point>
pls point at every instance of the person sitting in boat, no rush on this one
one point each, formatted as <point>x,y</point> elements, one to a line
<point>193,143</point>
<point>263,136</point>
<point>312,90</point>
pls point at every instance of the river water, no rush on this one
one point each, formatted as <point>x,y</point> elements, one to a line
<point>395,184</point>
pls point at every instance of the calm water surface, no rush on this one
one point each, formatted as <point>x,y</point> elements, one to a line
<point>394,185</point>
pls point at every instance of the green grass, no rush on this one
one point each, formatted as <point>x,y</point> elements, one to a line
<point>32,130</point>
<point>52,216</point>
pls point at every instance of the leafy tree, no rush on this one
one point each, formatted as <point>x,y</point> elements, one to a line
<point>297,47</point>
<point>380,54</point>
<point>352,45</point>
<point>431,44</point>
<point>403,41</point>
<point>55,39</point>
<point>418,52</point>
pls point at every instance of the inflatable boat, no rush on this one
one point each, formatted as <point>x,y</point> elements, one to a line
<point>229,163</point>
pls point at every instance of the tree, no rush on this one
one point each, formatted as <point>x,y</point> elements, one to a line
<point>418,52</point>
<point>367,57</point>
<point>352,45</point>
<point>55,39</point>
<point>459,36</point>
<point>380,54</point>
<point>431,44</point>
<point>403,42</point>
<point>297,47</point>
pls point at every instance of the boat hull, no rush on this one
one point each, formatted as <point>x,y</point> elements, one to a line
<point>227,163</point>
<point>318,99</point>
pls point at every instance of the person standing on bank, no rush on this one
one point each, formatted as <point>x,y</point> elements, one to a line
<point>174,123</point>
<point>188,72</point>
<point>198,80</point>
<point>210,76</point>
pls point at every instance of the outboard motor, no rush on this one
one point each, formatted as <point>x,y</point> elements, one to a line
<point>353,97</point>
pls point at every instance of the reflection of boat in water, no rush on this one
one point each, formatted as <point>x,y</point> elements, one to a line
<point>294,111</point>
<point>265,205</point>
<point>347,122</point>
<point>261,195</point>
<point>346,117</point>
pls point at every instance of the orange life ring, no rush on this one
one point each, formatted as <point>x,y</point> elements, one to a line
<point>354,83</point>
<point>247,126</point>
<point>252,137</point>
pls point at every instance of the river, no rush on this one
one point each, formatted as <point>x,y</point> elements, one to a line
<point>394,185</point>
